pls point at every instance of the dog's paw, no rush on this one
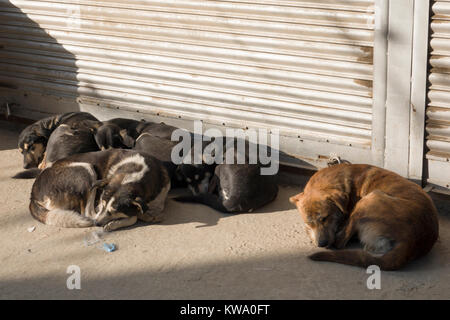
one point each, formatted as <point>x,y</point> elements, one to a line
<point>318,256</point>
<point>109,226</point>
<point>41,165</point>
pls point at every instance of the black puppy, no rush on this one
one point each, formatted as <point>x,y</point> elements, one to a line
<point>128,128</point>
<point>231,188</point>
<point>160,130</point>
<point>236,188</point>
<point>33,139</point>
<point>197,173</point>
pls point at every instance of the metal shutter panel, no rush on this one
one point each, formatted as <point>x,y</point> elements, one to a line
<point>438,110</point>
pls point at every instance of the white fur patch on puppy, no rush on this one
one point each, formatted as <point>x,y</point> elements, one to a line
<point>225,195</point>
<point>89,167</point>
<point>131,177</point>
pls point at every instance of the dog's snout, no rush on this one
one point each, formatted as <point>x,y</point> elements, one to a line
<point>322,243</point>
<point>97,223</point>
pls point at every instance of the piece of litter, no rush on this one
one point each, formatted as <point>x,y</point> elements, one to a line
<point>31,229</point>
<point>109,247</point>
<point>93,238</point>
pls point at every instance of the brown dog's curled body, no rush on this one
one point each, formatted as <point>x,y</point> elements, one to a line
<point>394,218</point>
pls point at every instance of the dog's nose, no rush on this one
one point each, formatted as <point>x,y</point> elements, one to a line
<point>322,243</point>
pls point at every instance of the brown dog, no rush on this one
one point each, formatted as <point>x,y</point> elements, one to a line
<point>394,218</point>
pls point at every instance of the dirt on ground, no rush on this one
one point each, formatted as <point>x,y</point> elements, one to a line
<point>196,253</point>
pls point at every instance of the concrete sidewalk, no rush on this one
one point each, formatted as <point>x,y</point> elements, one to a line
<point>196,253</point>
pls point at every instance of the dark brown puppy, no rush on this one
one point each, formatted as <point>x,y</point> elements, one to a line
<point>394,218</point>
<point>66,141</point>
<point>33,139</point>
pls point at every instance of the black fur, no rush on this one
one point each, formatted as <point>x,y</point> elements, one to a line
<point>27,174</point>
<point>237,188</point>
<point>66,141</point>
<point>40,131</point>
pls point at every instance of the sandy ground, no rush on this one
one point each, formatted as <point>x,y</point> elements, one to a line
<point>196,253</point>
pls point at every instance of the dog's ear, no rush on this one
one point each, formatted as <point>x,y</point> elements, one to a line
<point>296,198</point>
<point>340,200</point>
<point>42,132</point>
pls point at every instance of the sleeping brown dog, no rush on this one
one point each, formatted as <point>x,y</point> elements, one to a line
<point>394,219</point>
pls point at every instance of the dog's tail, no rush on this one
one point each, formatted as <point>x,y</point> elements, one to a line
<point>59,217</point>
<point>392,260</point>
<point>28,174</point>
<point>211,200</point>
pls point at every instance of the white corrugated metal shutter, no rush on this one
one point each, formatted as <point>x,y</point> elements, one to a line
<point>438,110</point>
<point>304,67</point>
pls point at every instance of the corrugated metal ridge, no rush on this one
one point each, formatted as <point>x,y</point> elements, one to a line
<point>441,28</point>
<point>301,48</point>
<point>168,106</point>
<point>230,26</point>
<point>346,5</point>
<point>350,5</point>
<point>440,81</point>
<point>227,100</point>
<point>275,77</point>
<point>441,9</point>
<point>440,64</point>
<point>439,99</point>
<point>225,56</point>
<point>439,148</point>
<point>267,13</point>
<point>438,115</point>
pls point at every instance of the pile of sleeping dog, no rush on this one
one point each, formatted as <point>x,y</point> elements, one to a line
<point>112,173</point>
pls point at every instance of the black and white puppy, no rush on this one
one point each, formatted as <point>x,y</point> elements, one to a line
<point>112,188</point>
<point>34,138</point>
